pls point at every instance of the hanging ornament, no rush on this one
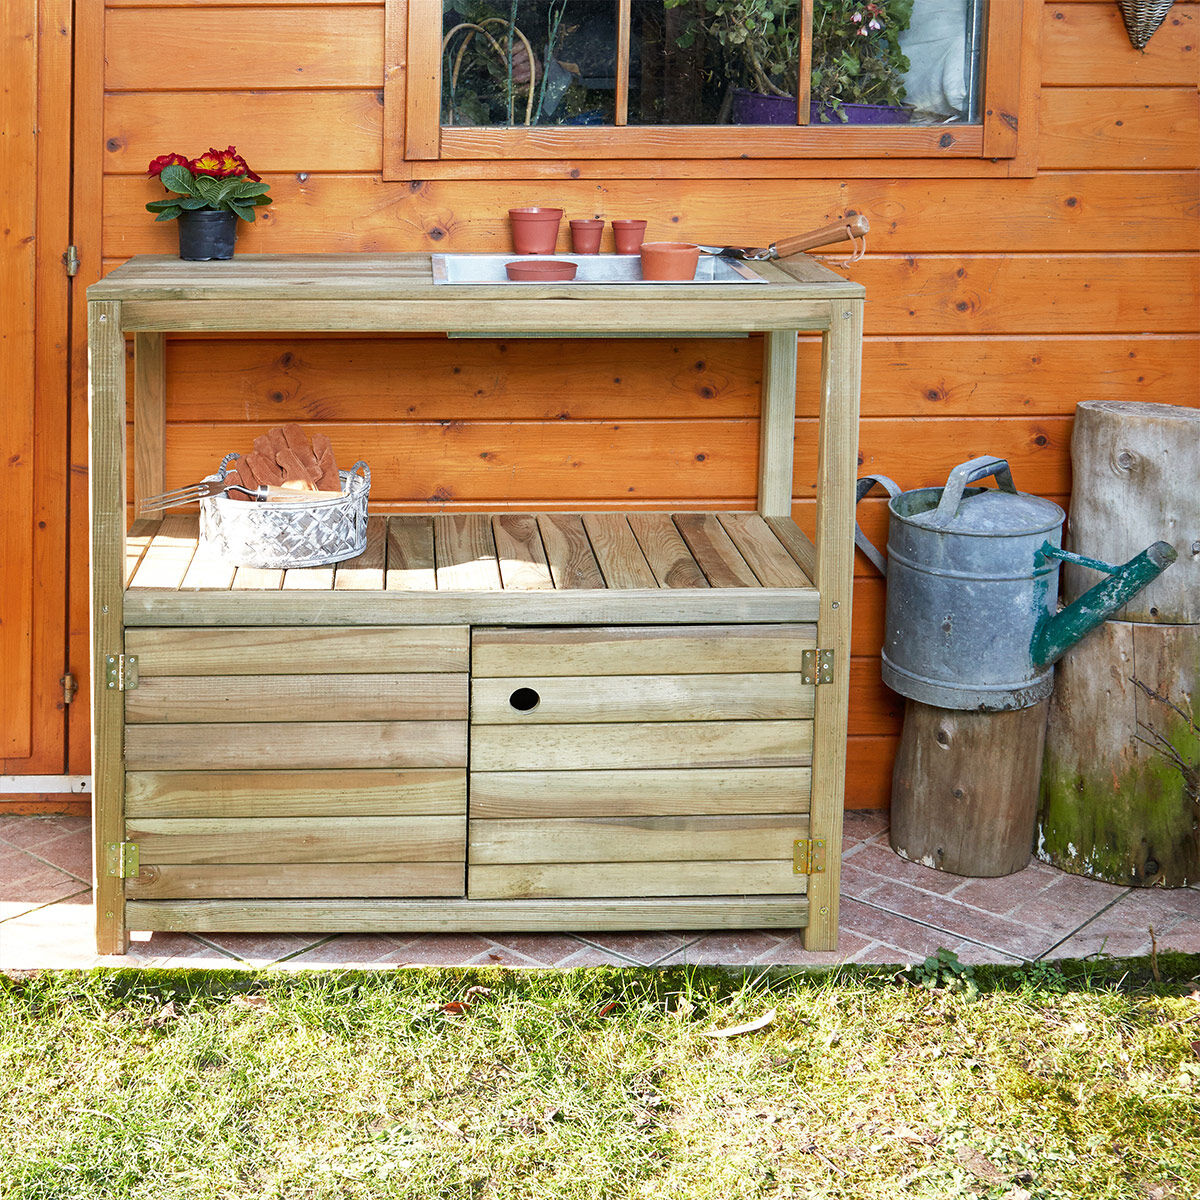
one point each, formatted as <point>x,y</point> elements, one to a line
<point>1142,18</point>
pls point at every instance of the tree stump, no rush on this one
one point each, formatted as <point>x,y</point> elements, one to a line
<point>965,788</point>
<point>1120,796</point>
<point>1135,469</point>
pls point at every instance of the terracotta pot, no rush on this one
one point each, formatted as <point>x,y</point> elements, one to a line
<point>669,260</point>
<point>534,230</point>
<point>540,270</point>
<point>630,235</point>
<point>206,234</point>
<point>585,236</point>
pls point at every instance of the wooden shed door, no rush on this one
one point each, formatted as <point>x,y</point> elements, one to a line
<point>35,158</point>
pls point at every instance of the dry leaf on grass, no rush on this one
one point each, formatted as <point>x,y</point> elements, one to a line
<point>750,1027</point>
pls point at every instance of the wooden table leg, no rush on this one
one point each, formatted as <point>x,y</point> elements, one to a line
<point>106,475</point>
<point>778,423</point>
<point>837,468</point>
<point>149,418</point>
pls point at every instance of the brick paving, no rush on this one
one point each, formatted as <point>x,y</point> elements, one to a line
<point>892,911</point>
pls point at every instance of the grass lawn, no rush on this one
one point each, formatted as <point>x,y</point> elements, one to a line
<point>1019,1083</point>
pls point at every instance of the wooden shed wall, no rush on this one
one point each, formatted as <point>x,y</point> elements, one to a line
<point>994,304</point>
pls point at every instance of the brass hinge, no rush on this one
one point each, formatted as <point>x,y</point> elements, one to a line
<point>71,260</point>
<point>816,666</point>
<point>808,856</point>
<point>123,859</point>
<point>121,672</point>
<point>69,687</point>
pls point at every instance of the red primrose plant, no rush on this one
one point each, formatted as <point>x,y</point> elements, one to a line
<point>219,181</point>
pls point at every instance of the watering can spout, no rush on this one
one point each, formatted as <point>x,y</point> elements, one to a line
<point>1055,635</point>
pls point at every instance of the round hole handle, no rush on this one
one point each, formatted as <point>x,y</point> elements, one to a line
<point>524,699</point>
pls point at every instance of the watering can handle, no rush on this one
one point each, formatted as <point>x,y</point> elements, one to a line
<point>962,475</point>
<point>865,484</point>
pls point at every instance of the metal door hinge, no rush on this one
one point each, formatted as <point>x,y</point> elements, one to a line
<point>808,856</point>
<point>123,859</point>
<point>71,260</point>
<point>69,687</point>
<point>121,672</point>
<point>816,666</point>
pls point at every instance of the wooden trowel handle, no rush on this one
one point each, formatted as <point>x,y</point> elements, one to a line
<point>291,495</point>
<point>839,231</point>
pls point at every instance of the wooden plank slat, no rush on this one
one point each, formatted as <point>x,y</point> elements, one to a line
<point>680,744</point>
<point>334,47</point>
<point>714,552</point>
<point>208,571</point>
<point>796,542</point>
<point>258,579</point>
<point>169,555</point>
<point>149,416</point>
<point>137,542</point>
<point>410,562</point>
<point>617,551</point>
<point>289,650</point>
<point>302,880</point>
<point>297,745</point>
<point>578,880</point>
<point>731,911</point>
<point>634,839</point>
<point>763,551</point>
<point>778,424</point>
<point>297,839</point>
<point>520,553</point>
<point>735,649</point>
<point>308,579</point>
<point>638,606</point>
<point>666,552</point>
<point>186,699</point>
<point>365,571</point>
<point>696,792</point>
<point>568,551</point>
<point>343,793</point>
<point>465,553</point>
<point>572,699</point>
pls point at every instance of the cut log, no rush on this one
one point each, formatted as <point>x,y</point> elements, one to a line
<point>1120,795</point>
<point>1135,468</point>
<point>965,788</point>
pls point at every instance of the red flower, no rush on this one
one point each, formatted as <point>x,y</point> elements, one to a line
<point>222,164</point>
<point>166,160</point>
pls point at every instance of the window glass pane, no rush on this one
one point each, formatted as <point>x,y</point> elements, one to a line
<point>529,62</point>
<point>889,62</point>
<point>698,62</point>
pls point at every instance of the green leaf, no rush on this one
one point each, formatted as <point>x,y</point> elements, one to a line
<point>244,188</point>
<point>261,200</point>
<point>191,203</point>
<point>178,179</point>
<point>209,188</point>
<point>245,211</point>
<point>169,214</point>
<point>156,206</point>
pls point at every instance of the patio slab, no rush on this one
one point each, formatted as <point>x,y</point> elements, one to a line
<point>892,911</point>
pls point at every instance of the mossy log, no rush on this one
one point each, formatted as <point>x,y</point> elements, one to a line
<point>1120,793</point>
<point>965,788</point>
<point>1135,468</point>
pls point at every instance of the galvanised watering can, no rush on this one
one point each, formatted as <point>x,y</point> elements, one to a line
<point>973,587</point>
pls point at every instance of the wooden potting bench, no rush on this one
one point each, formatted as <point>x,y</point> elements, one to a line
<point>486,722</point>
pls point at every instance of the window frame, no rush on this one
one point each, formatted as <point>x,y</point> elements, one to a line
<point>416,144</point>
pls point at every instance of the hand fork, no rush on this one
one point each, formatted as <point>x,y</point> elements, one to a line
<point>215,487</point>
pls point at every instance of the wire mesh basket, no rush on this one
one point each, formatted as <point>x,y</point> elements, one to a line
<point>284,534</point>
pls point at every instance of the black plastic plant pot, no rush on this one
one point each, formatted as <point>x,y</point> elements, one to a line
<point>206,233</point>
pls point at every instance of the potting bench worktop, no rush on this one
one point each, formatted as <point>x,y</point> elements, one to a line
<point>511,721</point>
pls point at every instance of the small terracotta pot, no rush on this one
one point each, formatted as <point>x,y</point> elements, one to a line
<point>669,260</point>
<point>540,270</point>
<point>630,235</point>
<point>534,230</point>
<point>585,236</point>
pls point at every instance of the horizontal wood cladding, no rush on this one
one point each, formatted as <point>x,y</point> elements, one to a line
<point>1088,210</point>
<point>650,462</point>
<point>250,47</point>
<point>271,380</point>
<point>1086,42</point>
